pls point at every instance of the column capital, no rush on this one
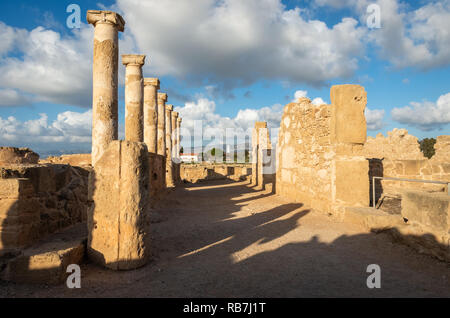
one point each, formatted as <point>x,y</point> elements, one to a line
<point>179,119</point>
<point>175,114</point>
<point>133,59</point>
<point>151,81</point>
<point>97,16</point>
<point>169,107</point>
<point>162,96</point>
<point>260,124</point>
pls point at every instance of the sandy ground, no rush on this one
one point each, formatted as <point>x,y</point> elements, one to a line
<point>224,239</point>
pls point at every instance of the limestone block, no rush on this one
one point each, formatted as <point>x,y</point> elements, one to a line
<point>118,220</point>
<point>15,188</point>
<point>47,261</point>
<point>351,181</point>
<point>348,120</point>
<point>429,209</point>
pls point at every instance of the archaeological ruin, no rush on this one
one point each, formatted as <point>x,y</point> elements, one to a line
<point>100,208</point>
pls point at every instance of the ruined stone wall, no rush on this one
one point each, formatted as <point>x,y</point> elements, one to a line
<point>12,155</point>
<point>304,154</point>
<point>319,161</point>
<point>397,145</point>
<point>202,172</point>
<point>39,199</point>
<point>80,160</point>
<point>399,156</point>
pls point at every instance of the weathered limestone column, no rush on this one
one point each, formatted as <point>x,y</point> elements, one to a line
<point>134,97</point>
<point>255,151</point>
<point>162,98</point>
<point>118,220</point>
<point>179,120</point>
<point>104,79</point>
<point>151,86</point>
<point>169,161</point>
<point>174,135</point>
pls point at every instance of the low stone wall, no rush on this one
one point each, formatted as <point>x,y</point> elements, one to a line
<point>80,160</point>
<point>202,172</point>
<point>39,199</point>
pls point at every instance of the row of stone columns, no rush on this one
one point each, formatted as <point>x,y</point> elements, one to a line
<point>124,170</point>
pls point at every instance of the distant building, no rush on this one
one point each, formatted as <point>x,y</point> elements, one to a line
<point>190,157</point>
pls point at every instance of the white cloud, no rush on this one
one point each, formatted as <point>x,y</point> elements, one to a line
<point>10,97</point>
<point>230,43</point>
<point>301,93</point>
<point>69,127</point>
<point>407,38</point>
<point>48,66</point>
<point>374,118</point>
<point>425,115</point>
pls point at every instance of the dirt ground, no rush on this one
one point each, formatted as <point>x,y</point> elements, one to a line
<point>224,239</point>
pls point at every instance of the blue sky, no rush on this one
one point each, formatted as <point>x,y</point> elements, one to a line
<point>227,63</point>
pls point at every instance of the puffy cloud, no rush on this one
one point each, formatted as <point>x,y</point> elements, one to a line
<point>425,115</point>
<point>229,43</point>
<point>415,38</point>
<point>10,97</point>
<point>374,118</point>
<point>301,93</point>
<point>68,128</point>
<point>48,66</point>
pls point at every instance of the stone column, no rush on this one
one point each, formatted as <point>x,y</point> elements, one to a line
<point>169,162</point>
<point>179,120</point>
<point>162,99</point>
<point>105,79</point>
<point>151,86</point>
<point>134,97</point>
<point>174,136</point>
<point>256,153</point>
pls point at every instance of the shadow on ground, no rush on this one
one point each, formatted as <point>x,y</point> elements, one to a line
<point>224,239</point>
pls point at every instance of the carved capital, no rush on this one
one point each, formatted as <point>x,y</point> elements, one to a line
<point>97,16</point>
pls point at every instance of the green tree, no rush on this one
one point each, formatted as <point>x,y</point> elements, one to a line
<point>427,147</point>
<point>181,150</point>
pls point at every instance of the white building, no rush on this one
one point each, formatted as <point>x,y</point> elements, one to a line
<point>190,157</point>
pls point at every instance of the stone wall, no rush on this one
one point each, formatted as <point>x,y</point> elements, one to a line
<point>80,160</point>
<point>12,155</point>
<point>39,199</point>
<point>193,173</point>
<point>319,161</point>
<point>397,145</point>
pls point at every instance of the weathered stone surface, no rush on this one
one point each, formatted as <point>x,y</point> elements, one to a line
<point>151,86</point>
<point>193,173</point>
<point>105,79</point>
<point>12,155</point>
<point>36,200</point>
<point>442,149</point>
<point>398,145</point>
<point>169,160</point>
<point>47,261</point>
<point>350,182</point>
<point>162,99</point>
<point>80,160</point>
<point>371,218</point>
<point>348,121</point>
<point>157,165</point>
<point>429,209</point>
<point>134,97</point>
<point>319,152</point>
<point>118,220</point>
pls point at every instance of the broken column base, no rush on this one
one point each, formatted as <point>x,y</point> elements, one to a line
<point>47,261</point>
<point>118,219</point>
